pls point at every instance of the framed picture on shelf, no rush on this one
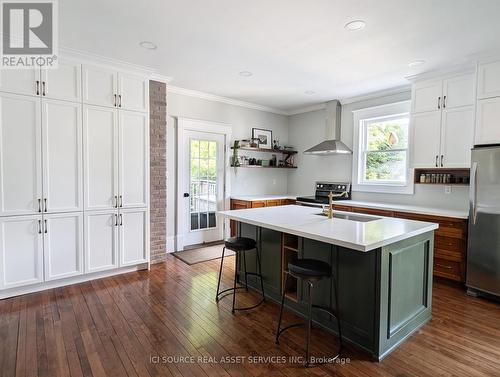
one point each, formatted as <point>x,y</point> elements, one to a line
<point>265,137</point>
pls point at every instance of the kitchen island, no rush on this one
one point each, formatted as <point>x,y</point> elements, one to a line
<point>383,268</point>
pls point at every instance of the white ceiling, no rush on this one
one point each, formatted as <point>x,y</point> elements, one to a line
<point>291,46</point>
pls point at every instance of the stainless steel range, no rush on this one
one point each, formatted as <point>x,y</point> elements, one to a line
<point>340,190</point>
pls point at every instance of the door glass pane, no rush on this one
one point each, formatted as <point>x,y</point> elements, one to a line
<point>203,184</point>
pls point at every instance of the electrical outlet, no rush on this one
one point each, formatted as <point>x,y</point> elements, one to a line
<point>447,189</point>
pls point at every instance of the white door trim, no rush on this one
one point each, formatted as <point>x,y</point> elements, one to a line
<point>188,124</point>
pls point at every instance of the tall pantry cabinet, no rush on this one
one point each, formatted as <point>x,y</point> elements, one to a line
<point>73,174</point>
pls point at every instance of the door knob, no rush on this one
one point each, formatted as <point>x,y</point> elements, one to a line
<point>186,194</point>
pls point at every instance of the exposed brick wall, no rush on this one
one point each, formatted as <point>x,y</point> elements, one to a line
<point>158,169</point>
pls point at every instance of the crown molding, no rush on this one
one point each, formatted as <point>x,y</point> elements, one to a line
<point>468,67</point>
<point>377,94</point>
<point>226,100</point>
<point>160,78</point>
<point>307,109</point>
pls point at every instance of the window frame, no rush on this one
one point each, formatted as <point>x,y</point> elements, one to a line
<point>362,118</point>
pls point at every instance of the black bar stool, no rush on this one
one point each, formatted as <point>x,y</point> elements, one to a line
<point>310,271</point>
<point>240,245</point>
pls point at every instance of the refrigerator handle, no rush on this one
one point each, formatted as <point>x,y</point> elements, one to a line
<point>473,193</point>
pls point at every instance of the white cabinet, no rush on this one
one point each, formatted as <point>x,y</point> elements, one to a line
<point>458,91</point>
<point>133,225</point>
<point>107,87</point>
<point>20,155</point>
<point>457,134</point>
<point>488,79</point>
<point>426,96</point>
<point>99,86</point>
<point>63,245</point>
<point>426,133</point>
<point>100,134</point>
<point>64,82</point>
<point>442,122</point>
<point>21,81</point>
<point>132,92</point>
<point>101,240</point>
<point>62,156</point>
<point>21,251</point>
<point>133,159</point>
<point>488,121</point>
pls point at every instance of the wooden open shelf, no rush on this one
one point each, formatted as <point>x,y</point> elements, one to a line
<point>289,252</point>
<point>283,151</point>
<point>459,176</point>
<point>265,167</point>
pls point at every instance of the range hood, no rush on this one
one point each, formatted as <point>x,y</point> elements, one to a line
<point>332,144</point>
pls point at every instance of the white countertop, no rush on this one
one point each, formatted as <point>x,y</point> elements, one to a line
<point>304,222</point>
<point>255,198</point>
<point>406,208</point>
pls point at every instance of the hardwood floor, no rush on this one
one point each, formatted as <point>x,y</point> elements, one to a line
<point>120,326</point>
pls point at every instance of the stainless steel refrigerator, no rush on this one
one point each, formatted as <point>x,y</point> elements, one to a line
<point>483,254</point>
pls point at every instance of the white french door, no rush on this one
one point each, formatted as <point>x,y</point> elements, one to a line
<point>201,187</point>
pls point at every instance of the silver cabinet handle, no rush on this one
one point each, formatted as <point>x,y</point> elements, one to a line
<point>45,205</point>
<point>39,226</point>
<point>121,201</point>
<point>39,205</point>
<point>439,102</point>
<point>442,157</point>
<point>473,193</point>
<point>116,201</point>
<point>116,220</point>
<point>119,100</point>
<point>443,266</point>
<point>121,219</point>
<point>444,102</point>
<point>43,88</point>
<point>437,158</point>
<point>37,87</point>
<point>46,228</point>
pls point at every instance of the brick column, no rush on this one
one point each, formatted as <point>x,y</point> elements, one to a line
<point>158,169</point>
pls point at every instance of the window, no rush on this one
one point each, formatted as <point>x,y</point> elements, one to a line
<point>384,150</point>
<point>381,149</point>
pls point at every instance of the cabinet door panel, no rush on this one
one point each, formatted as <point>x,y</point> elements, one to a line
<point>488,84</point>
<point>20,81</point>
<point>133,159</point>
<point>133,91</point>
<point>62,156</point>
<point>20,154</point>
<point>425,96</point>
<point>63,245</point>
<point>457,135</point>
<point>487,124</point>
<point>101,241</point>
<point>459,91</point>
<point>63,83</point>
<point>100,157</point>
<point>426,129</point>
<point>99,86</point>
<point>20,251</point>
<point>133,236</point>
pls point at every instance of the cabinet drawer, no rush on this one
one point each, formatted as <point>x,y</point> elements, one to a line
<point>240,204</point>
<point>285,202</point>
<point>273,203</point>
<point>447,226</point>
<point>373,211</point>
<point>449,243</point>
<point>258,204</point>
<point>448,269</point>
<point>337,207</point>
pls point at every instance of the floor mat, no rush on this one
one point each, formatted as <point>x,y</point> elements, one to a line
<point>202,254</point>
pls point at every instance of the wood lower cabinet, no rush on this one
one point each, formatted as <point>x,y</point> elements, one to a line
<point>450,239</point>
<point>244,204</point>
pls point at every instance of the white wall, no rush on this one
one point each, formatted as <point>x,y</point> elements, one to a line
<point>308,129</point>
<point>241,120</point>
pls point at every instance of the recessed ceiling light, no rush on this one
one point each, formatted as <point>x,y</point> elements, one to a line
<point>355,25</point>
<point>148,45</point>
<point>245,73</point>
<point>416,63</point>
<point>310,92</point>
